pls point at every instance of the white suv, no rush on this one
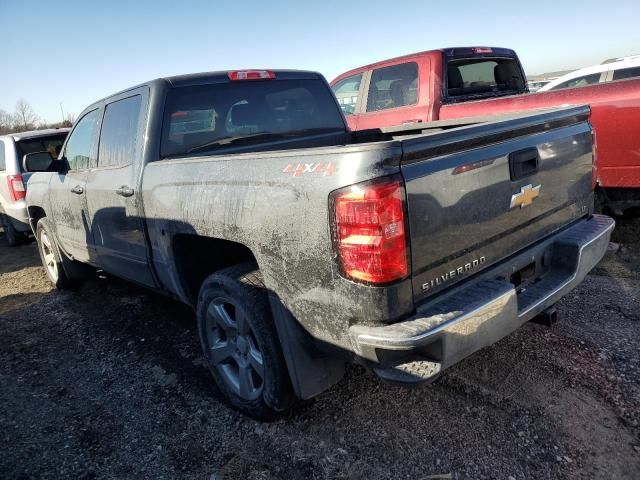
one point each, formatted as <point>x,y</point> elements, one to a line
<point>13,147</point>
<point>622,68</point>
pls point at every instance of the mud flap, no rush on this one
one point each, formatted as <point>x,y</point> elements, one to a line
<point>310,370</point>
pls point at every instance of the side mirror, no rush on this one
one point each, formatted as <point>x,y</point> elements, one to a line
<point>40,162</point>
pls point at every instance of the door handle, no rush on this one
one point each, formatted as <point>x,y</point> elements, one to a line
<point>125,191</point>
<point>78,190</point>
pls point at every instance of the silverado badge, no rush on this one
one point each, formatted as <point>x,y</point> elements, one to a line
<point>526,196</point>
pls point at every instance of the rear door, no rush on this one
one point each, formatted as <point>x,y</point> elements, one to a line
<point>396,94</point>
<point>67,190</point>
<point>112,200</point>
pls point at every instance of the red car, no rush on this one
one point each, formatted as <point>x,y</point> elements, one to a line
<point>454,83</point>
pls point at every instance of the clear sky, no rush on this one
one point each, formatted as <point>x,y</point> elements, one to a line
<point>76,52</point>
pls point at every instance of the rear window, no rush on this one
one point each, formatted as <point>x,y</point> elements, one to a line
<point>625,73</point>
<point>51,144</point>
<point>483,77</point>
<point>208,118</point>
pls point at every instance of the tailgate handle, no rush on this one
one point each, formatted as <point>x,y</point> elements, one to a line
<point>523,163</point>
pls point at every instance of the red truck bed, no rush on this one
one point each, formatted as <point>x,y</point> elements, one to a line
<point>418,88</point>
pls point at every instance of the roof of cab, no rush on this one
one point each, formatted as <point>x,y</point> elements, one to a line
<point>36,133</point>
<point>447,51</point>
<point>204,78</point>
<point>223,76</point>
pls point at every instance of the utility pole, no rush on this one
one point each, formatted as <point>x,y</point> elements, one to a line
<point>61,111</point>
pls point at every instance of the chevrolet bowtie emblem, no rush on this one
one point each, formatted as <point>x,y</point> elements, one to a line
<point>525,197</point>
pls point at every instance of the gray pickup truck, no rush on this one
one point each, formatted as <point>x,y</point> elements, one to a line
<point>303,246</point>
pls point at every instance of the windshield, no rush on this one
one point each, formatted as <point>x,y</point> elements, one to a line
<point>215,116</point>
<point>483,77</point>
<point>51,144</point>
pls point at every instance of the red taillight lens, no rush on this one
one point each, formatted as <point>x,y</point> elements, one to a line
<point>370,232</point>
<point>16,187</point>
<point>252,75</point>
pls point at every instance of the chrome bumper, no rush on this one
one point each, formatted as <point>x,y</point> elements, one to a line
<point>479,314</point>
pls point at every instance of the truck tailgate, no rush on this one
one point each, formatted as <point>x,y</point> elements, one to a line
<point>479,194</point>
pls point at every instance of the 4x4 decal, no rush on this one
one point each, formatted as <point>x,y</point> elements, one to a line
<point>326,169</point>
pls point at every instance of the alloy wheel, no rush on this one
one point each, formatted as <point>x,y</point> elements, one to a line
<point>49,256</point>
<point>233,349</point>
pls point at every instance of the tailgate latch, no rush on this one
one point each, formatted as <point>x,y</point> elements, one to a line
<point>523,163</point>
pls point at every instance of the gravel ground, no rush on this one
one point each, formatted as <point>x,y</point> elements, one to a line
<point>108,382</point>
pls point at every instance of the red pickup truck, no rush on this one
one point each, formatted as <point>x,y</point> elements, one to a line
<point>454,83</point>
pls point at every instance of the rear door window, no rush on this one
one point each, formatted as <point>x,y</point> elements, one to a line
<point>626,73</point>
<point>119,136</point>
<point>347,91</point>
<point>3,165</point>
<point>393,87</point>
<point>213,117</point>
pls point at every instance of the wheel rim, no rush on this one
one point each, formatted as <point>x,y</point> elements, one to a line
<point>233,349</point>
<point>49,258</point>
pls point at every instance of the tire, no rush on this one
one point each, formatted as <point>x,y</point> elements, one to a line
<point>240,342</point>
<point>11,235</point>
<point>63,272</point>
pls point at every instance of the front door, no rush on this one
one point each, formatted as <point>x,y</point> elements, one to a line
<point>112,199</point>
<point>67,191</point>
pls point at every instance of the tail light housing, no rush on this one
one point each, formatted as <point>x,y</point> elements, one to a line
<point>370,233</point>
<point>16,187</point>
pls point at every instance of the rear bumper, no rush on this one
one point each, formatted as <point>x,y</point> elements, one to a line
<point>482,311</point>
<point>17,214</point>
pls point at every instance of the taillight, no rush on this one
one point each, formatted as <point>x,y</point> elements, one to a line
<point>594,163</point>
<point>16,187</point>
<point>252,75</point>
<point>370,232</point>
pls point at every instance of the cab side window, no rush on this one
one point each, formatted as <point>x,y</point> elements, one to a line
<point>393,87</point>
<point>80,151</point>
<point>119,136</point>
<point>580,81</point>
<point>347,92</point>
<point>626,73</point>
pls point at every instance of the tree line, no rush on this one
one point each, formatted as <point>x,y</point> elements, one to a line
<point>24,118</point>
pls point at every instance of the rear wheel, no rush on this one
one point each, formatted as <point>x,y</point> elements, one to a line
<point>11,235</point>
<point>62,271</point>
<point>240,342</point>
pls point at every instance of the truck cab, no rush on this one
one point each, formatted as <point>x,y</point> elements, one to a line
<point>411,88</point>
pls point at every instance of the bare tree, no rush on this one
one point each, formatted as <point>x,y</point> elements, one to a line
<point>24,117</point>
<point>6,122</point>
<point>69,118</point>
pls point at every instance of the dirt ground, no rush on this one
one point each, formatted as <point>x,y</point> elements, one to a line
<point>108,382</point>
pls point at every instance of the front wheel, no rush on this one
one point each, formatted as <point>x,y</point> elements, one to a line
<point>241,344</point>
